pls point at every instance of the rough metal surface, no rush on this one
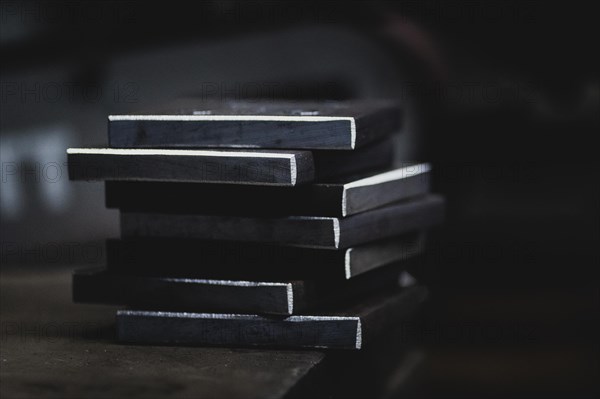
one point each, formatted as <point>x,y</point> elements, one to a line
<point>344,125</point>
<point>340,197</point>
<point>51,347</point>
<point>306,231</point>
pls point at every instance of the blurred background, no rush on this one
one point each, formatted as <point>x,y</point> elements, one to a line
<point>501,96</point>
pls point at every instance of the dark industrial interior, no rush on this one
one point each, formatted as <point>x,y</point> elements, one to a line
<point>500,96</point>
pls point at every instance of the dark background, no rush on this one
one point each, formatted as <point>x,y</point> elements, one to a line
<point>502,97</point>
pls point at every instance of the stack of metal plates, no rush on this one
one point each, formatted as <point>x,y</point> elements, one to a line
<point>279,224</point>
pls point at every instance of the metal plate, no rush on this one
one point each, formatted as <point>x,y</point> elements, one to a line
<point>344,126</point>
